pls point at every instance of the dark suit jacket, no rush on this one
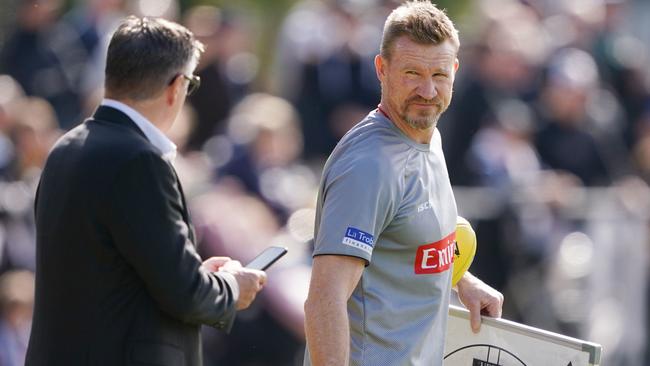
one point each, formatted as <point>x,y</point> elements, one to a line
<point>118,279</point>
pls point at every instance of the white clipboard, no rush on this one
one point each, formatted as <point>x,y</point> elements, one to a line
<point>505,343</point>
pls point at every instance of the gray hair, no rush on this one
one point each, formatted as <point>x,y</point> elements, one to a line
<point>145,54</point>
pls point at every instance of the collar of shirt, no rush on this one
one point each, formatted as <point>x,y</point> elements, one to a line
<point>153,134</point>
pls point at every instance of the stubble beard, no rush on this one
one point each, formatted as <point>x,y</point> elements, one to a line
<point>423,122</point>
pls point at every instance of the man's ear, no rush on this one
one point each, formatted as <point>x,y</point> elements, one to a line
<point>173,90</point>
<point>456,65</point>
<point>380,67</point>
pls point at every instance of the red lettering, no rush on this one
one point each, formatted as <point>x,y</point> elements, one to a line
<point>435,257</point>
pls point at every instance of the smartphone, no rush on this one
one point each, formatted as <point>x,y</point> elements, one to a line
<point>266,258</point>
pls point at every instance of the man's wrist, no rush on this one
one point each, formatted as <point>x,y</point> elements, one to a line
<point>467,279</point>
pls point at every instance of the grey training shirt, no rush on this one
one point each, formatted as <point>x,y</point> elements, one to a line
<point>387,199</point>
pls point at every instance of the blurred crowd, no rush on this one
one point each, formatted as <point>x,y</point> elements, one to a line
<point>547,143</point>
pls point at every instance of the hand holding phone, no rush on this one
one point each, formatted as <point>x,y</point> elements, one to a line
<point>267,257</point>
<point>250,282</point>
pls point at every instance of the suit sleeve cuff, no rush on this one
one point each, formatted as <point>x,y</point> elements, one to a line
<point>226,322</point>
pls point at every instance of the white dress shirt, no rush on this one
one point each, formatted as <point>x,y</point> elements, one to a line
<point>153,134</point>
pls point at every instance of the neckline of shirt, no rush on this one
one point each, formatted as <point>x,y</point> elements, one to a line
<point>381,115</point>
<point>152,133</point>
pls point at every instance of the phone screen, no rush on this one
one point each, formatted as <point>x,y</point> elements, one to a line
<point>266,258</point>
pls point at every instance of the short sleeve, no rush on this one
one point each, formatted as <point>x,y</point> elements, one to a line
<point>357,203</point>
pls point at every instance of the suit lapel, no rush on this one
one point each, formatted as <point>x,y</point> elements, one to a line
<point>186,215</point>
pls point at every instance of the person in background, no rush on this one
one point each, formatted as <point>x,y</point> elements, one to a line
<point>118,277</point>
<point>47,58</point>
<point>214,100</point>
<point>16,303</point>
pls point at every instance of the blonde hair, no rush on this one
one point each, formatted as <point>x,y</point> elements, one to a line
<point>422,22</point>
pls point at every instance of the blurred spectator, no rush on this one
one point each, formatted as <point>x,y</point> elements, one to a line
<point>16,305</point>
<point>168,9</point>
<point>327,51</point>
<point>237,37</point>
<point>622,59</point>
<point>488,131</point>
<point>33,132</point>
<point>10,94</point>
<point>503,157</point>
<point>265,155</point>
<point>270,332</point>
<point>502,66</point>
<point>565,140</point>
<point>47,58</point>
<point>503,154</point>
<point>94,21</point>
<point>227,69</point>
<point>213,100</point>
<point>233,222</point>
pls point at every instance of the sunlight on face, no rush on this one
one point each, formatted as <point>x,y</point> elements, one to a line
<point>418,80</point>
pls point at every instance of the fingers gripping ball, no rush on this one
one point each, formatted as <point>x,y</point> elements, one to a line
<point>464,250</point>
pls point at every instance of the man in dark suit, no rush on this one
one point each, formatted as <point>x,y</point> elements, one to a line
<point>118,278</point>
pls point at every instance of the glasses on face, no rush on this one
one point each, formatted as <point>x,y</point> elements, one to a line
<point>194,82</point>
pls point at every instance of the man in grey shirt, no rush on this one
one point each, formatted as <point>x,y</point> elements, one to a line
<point>386,214</point>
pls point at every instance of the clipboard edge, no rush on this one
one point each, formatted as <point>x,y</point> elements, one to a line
<point>593,349</point>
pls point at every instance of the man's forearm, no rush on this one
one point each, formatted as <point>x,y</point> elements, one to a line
<point>327,331</point>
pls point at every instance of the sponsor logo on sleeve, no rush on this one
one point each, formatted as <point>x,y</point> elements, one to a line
<point>435,257</point>
<point>359,239</point>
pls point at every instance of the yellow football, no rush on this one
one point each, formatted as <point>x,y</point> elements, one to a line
<point>465,249</point>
